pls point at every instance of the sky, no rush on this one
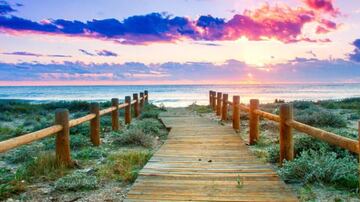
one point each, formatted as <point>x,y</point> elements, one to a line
<point>106,42</point>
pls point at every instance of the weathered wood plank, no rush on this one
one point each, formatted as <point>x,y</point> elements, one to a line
<point>204,161</point>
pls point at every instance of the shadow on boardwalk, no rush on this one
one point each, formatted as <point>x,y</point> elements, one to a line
<point>204,161</point>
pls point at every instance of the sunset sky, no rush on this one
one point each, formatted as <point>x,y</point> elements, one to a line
<point>82,42</point>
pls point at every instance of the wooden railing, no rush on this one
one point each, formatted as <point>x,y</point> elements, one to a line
<point>220,104</point>
<point>62,126</point>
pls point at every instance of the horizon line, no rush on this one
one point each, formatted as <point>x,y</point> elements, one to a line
<point>45,84</point>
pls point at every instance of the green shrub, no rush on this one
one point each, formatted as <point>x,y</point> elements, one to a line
<point>49,143</point>
<point>348,103</point>
<point>150,111</point>
<point>82,129</point>
<point>6,116</point>
<point>29,122</point>
<point>124,165</point>
<point>9,184</point>
<point>148,126</point>
<point>90,153</point>
<point>135,136</point>
<point>320,118</point>
<point>105,121</point>
<point>70,105</point>
<point>22,154</point>
<point>274,154</point>
<point>201,109</point>
<point>8,132</point>
<point>354,116</point>
<point>79,141</point>
<point>76,181</point>
<point>301,105</point>
<point>305,142</point>
<point>322,167</point>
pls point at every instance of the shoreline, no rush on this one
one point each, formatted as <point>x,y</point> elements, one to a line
<point>159,103</point>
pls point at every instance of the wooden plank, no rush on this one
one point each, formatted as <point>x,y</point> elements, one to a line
<point>203,161</point>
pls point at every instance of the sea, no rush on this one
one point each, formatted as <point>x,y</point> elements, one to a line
<point>183,95</point>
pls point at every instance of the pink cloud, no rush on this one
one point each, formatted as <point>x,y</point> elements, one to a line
<point>323,6</point>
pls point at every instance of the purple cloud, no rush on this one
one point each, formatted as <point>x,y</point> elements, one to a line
<point>5,8</point>
<point>58,56</point>
<point>355,55</point>
<point>282,23</point>
<point>106,53</point>
<point>24,53</point>
<point>86,52</point>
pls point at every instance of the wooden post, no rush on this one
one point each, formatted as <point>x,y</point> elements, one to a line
<point>286,138</point>
<point>95,124</point>
<point>141,101</point>
<point>254,122</point>
<point>63,137</point>
<point>214,100</point>
<point>136,105</point>
<point>218,104</point>
<point>210,98</point>
<point>115,114</point>
<point>224,107</point>
<point>147,97</point>
<point>236,112</point>
<point>128,110</point>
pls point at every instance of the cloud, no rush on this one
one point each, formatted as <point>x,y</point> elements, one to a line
<point>282,23</point>
<point>355,55</point>
<point>323,6</point>
<point>24,53</point>
<point>59,56</point>
<point>106,53</point>
<point>296,70</point>
<point>5,8</point>
<point>86,52</point>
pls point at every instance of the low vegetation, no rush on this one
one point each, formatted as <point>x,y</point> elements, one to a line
<point>124,165</point>
<point>322,167</point>
<point>200,109</point>
<point>76,181</point>
<point>118,159</point>
<point>135,137</point>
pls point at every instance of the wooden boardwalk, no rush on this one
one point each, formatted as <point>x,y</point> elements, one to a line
<point>204,161</point>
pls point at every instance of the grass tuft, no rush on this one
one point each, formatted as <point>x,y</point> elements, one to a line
<point>44,167</point>
<point>124,165</point>
<point>200,109</point>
